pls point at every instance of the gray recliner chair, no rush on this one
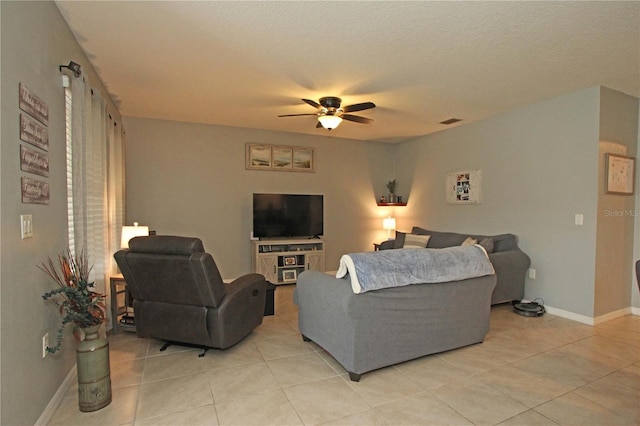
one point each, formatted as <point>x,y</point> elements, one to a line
<point>179,295</point>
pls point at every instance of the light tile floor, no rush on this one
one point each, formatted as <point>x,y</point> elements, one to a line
<point>529,371</point>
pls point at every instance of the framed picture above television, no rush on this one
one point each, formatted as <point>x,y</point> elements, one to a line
<point>281,158</point>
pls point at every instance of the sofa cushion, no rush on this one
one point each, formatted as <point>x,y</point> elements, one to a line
<point>415,241</point>
<point>440,239</point>
<point>399,240</point>
<point>487,243</point>
<point>502,242</point>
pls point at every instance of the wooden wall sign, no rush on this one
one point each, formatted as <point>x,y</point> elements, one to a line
<point>33,132</point>
<point>34,191</point>
<point>34,161</point>
<point>33,105</point>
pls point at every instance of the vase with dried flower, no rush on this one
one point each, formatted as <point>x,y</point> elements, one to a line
<point>84,308</point>
<point>391,186</point>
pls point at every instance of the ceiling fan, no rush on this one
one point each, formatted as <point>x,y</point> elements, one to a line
<point>330,115</point>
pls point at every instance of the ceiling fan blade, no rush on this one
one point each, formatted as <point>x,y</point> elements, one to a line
<point>294,115</point>
<point>356,118</point>
<point>312,103</point>
<point>359,107</point>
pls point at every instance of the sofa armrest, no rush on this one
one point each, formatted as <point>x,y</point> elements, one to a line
<point>511,267</point>
<point>387,244</point>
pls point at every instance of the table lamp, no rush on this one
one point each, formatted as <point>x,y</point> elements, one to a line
<point>389,223</point>
<point>128,232</point>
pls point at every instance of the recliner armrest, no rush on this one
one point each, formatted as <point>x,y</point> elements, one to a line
<point>246,281</point>
<point>241,309</point>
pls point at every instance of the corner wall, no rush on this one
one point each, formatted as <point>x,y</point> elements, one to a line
<point>190,179</point>
<point>616,213</point>
<point>539,167</point>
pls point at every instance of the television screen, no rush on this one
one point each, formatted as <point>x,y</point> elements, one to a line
<point>287,215</point>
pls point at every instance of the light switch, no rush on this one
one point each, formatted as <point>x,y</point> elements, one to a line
<point>26,226</point>
<point>579,219</point>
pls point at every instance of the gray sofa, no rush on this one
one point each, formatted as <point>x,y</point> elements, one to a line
<point>367,331</point>
<point>509,262</point>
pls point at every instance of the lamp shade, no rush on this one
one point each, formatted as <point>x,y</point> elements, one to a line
<point>389,223</point>
<point>128,232</point>
<point>329,121</point>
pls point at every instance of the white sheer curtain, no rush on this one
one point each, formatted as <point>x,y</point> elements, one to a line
<point>97,181</point>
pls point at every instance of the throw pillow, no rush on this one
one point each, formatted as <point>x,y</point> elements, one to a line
<point>469,242</point>
<point>487,243</point>
<point>415,241</point>
<point>399,241</point>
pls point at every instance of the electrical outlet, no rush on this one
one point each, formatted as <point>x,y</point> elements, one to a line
<point>45,344</point>
<point>532,273</point>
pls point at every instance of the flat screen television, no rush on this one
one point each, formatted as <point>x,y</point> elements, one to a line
<point>288,215</point>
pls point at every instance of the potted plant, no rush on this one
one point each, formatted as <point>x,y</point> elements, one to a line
<point>391,186</point>
<point>85,308</point>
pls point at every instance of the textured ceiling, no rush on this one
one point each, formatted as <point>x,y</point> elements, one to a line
<point>244,63</point>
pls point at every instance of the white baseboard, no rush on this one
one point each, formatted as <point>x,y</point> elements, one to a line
<point>52,406</point>
<point>569,315</point>
<point>590,320</point>
<point>612,315</point>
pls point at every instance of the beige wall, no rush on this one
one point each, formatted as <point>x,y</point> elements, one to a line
<point>540,167</point>
<point>190,179</point>
<point>35,41</point>
<point>616,213</point>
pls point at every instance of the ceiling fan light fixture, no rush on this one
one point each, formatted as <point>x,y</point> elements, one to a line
<point>330,121</point>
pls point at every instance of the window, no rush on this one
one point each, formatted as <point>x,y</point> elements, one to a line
<point>69,150</point>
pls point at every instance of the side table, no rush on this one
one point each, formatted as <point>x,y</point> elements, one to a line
<point>121,300</point>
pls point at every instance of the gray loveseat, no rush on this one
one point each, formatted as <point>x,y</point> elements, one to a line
<point>371,330</point>
<point>509,262</point>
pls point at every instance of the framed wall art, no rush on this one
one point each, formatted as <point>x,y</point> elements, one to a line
<point>464,187</point>
<point>619,174</point>
<point>282,158</point>
<point>258,157</point>
<point>303,160</point>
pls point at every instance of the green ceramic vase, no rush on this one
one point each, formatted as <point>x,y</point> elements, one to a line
<point>94,373</point>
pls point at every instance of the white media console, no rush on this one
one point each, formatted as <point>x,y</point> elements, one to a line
<point>281,261</point>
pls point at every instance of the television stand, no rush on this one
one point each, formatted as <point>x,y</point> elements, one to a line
<point>281,261</point>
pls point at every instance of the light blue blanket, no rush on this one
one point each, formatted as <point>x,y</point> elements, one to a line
<point>397,268</point>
